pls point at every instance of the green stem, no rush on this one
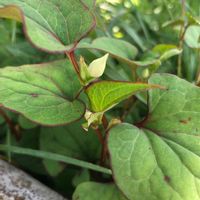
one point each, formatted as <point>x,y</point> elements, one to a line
<point>198,72</point>
<point>181,39</point>
<point>72,58</point>
<point>8,142</point>
<point>55,157</point>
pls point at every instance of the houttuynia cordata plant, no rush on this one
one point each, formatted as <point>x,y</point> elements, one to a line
<point>97,111</point>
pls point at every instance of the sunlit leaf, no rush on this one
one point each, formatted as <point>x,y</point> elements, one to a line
<point>103,95</point>
<point>92,191</point>
<point>163,154</point>
<point>43,93</point>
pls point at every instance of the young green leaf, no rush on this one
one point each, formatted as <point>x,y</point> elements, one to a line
<point>85,77</point>
<point>92,191</point>
<point>103,95</point>
<point>164,154</point>
<point>93,71</point>
<point>160,53</point>
<point>43,93</point>
<point>57,32</point>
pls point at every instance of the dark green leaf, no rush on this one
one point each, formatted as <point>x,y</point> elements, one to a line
<point>53,26</point>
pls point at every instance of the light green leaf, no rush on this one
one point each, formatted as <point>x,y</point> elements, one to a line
<point>192,37</point>
<point>164,154</point>
<point>85,76</point>
<point>191,20</point>
<point>159,54</point>
<point>96,191</point>
<point>43,93</point>
<point>53,26</point>
<point>166,51</point>
<point>116,48</point>
<point>70,140</point>
<point>103,95</point>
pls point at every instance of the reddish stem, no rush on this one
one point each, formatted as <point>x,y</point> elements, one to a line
<point>104,146</point>
<point>100,136</point>
<point>98,132</point>
<point>104,151</point>
<point>10,124</point>
<point>105,122</point>
<point>72,58</point>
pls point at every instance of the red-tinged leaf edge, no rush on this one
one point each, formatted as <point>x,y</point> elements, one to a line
<point>152,86</point>
<point>93,6</point>
<point>116,81</point>
<point>50,125</point>
<point>47,125</point>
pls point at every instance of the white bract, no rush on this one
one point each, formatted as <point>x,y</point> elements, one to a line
<point>94,70</point>
<point>97,67</point>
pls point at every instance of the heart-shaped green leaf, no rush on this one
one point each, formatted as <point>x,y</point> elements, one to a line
<point>96,191</point>
<point>103,95</point>
<point>156,161</point>
<point>51,25</point>
<point>43,93</point>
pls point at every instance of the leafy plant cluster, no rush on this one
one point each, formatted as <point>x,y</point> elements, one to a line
<point>100,100</point>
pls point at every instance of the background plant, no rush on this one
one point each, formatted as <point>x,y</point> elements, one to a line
<point>139,136</point>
